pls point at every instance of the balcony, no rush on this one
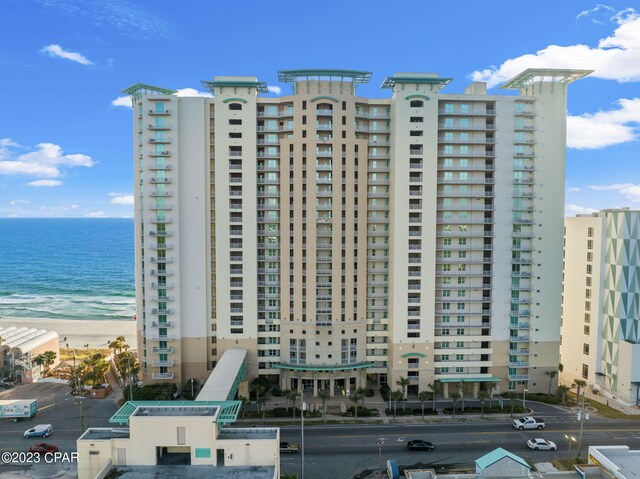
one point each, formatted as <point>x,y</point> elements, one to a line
<point>518,377</point>
<point>158,112</point>
<point>159,153</point>
<point>159,140</point>
<point>162,286</point>
<point>159,167</point>
<point>163,324</point>
<point>157,181</point>
<point>519,364</point>
<point>160,234</point>
<point>162,337</point>
<point>161,311</point>
<point>157,350</point>
<point>160,194</point>
<point>167,363</point>
<point>162,376</point>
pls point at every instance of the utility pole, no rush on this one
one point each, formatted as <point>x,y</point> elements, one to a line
<point>130,377</point>
<point>75,372</point>
<point>80,401</point>
<point>582,416</point>
<point>380,443</point>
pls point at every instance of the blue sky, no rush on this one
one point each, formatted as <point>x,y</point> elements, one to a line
<point>66,144</point>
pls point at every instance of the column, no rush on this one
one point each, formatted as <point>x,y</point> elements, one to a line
<point>299,388</point>
<point>331,386</point>
<point>445,390</point>
<point>476,389</point>
<point>315,387</point>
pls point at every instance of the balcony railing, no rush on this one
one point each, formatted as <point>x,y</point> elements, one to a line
<point>162,375</point>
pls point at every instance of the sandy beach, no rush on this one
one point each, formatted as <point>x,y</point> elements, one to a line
<point>79,333</point>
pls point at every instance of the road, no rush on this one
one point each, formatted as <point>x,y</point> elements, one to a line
<point>344,450</point>
<point>55,407</point>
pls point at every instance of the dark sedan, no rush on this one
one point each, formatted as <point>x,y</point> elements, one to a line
<point>420,445</point>
<point>43,448</point>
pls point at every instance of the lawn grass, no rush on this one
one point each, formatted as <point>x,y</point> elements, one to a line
<point>81,354</point>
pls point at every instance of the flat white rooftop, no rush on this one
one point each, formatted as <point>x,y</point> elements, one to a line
<point>619,460</point>
<point>169,411</point>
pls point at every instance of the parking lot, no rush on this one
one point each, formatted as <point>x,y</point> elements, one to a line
<point>56,407</point>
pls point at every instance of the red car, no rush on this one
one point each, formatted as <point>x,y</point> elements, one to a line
<point>43,448</point>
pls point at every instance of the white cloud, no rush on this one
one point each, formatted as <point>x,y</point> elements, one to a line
<point>122,200</point>
<point>122,101</point>
<point>615,57</point>
<point>192,92</point>
<point>13,215</point>
<point>45,183</point>
<point>74,207</point>
<point>55,50</point>
<point>573,189</point>
<point>630,191</point>
<point>97,214</point>
<point>18,202</point>
<point>598,8</point>
<point>605,128</point>
<point>47,161</point>
<point>274,89</point>
<point>572,210</point>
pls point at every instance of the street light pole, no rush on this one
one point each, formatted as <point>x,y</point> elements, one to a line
<point>571,440</point>
<point>380,443</point>
<point>524,398</point>
<point>130,378</point>
<point>581,417</point>
<point>304,408</point>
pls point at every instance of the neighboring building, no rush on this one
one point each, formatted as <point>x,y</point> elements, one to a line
<point>165,435</point>
<point>618,461</point>
<point>502,463</point>
<point>18,348</point>
<point>601,303</point>
<point>339,238</point>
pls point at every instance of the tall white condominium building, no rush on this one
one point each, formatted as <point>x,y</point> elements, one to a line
<point>601,303</point>
<point>341,239</point>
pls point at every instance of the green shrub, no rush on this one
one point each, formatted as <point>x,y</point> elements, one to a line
<point>385,390</point>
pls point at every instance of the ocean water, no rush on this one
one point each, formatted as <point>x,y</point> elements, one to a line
<point>67,268</point>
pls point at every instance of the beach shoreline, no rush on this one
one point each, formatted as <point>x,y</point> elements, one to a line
<point>80,332</point>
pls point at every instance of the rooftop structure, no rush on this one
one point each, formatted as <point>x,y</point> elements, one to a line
<point>20,345</point>
<point>168,410</point>
<point>619,461</point>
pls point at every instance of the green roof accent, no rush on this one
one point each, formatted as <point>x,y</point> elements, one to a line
<point>496,455</point>
<point>212,85</point>
<point>324,97</point>
<point>227,100</point>
<point>413,355</point>
<point>469,380</point>
<point>391,82</point>
<point>554,75</point>
<point>139,89</point>
<point>357,77</point>
<point>323,367</point>
<point>416,95</point>
<point>228,409</point>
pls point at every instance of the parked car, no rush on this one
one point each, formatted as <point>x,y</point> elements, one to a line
<point>41,430</point>
<point>540,444</point>
<point>420,445</point>
<point>43,448</point>
<point>288,447</point>
<point>528,422</point>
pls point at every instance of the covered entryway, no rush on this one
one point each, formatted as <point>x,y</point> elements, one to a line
<point>174,455</point>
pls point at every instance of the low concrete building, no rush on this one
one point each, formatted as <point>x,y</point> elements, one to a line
<point>165,434</point>
<point>619,461</point>
<point>19,347</point>
<point>502,463</point>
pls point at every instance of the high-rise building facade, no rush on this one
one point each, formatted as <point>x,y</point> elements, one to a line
<point>601,303</point>
<point>340,238</point>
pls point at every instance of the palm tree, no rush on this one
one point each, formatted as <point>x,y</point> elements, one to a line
<point>355,399</point>
<point>95,367</point>
<point>324,396</point>
<point>579,384</point>
<point>433,387</point>
<point>403,383</point>
<point>423,396</point>
<point>362,392</point>
<point>455,397</point>
<point>562,392</point>
<point>463,388</point>
<point>127,366</point>
<point>118,345</point>
<point>395,396</point>
<point>551,374</point>
<point>45,360</point>
<point>492,387</point>
<point>482,397</point>
<point>293,397</point>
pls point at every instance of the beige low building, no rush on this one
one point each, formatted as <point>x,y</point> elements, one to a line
<point>162,434</point>
<point>19,346</point>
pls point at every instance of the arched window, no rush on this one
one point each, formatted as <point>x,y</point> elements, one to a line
<point>417,103</point>
<point>235,106</point>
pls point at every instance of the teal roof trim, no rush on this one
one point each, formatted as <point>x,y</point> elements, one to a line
<point>412,355</point>
<point>496,455</point>
<point>260,86</point>
<point>227,100</point>
<point>228,414</point>
<point>390,82</point>
<point>359,77</point>
<point>139,89</point>
<point>325,97</point>
<point>327,367</point>
<point>424,97</point>
<point>469,380</point>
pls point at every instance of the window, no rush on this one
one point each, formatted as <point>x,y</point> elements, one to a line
<point>585,349</point>
<point>235,106</point>
<point>235,121</point>
<point>235,135</point>
<point>586,329</point>
<point>585,371</point>
<point>416,119</point>
<point>416,103</point>
<point>590,232</point>
<point>416,133</point>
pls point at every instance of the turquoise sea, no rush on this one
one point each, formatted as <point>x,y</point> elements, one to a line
<point>67,268</point>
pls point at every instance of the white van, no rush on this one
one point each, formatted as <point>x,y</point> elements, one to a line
<point>41,430</point>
